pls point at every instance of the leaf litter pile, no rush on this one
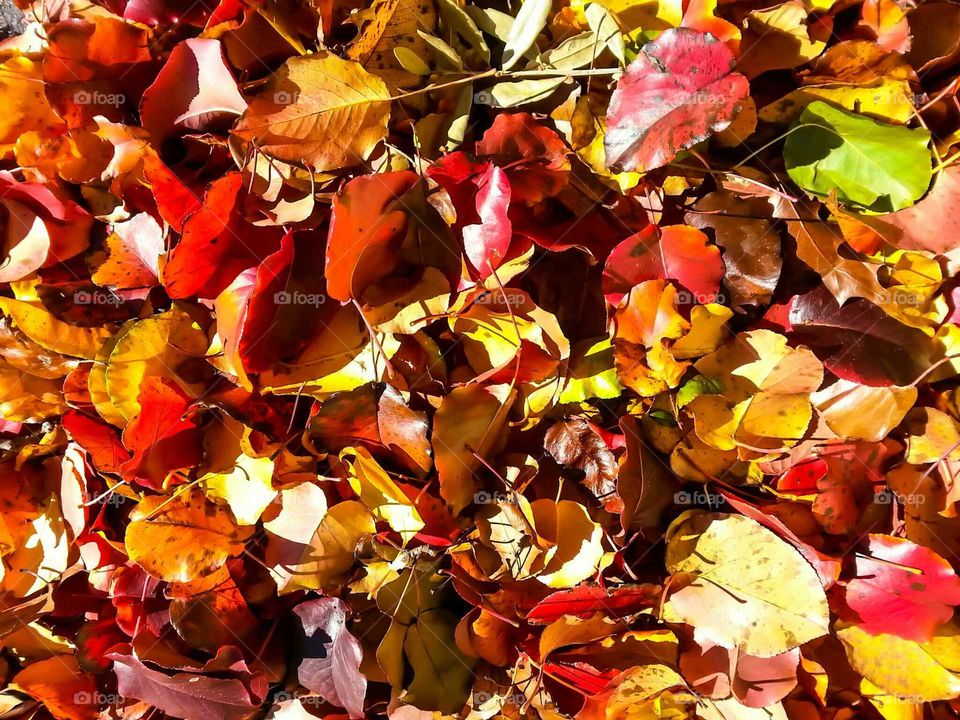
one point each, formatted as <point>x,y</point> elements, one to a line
<point>588,359</point>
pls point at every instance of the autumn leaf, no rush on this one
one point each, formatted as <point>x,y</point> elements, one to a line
<point>386,358</point>
<point>304,113</point>
<point>859,159</point>
<point>899,579</point>
<point>332,668</point>
<point>735,601</point>
<point>678,91</point>
<point>925,672</point>
<point>198,536</point>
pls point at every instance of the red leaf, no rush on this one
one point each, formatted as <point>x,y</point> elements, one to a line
<point>583,602</point>
<point>487,242</point>
<point>676,93</point>
<point>217,244</point>
<point>175,200</point>
<point>676,252</point>
<point>161,437</point>
<point>533,156</point>
<point>40,228</point>
<point>194,91</point>
<point>288,298</point>
<point>366,230</point>
<point>902,588</point>
<point>102,441</point>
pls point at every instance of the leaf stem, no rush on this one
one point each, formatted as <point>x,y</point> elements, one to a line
<point>509,75</point>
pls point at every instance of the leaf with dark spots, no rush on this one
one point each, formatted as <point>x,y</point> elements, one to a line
<point>902,588</point>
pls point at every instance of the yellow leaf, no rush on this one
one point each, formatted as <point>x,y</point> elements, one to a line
<point>45,330</point>
<point>170,345</point>
<point>841,406</point>
<point>777,39</point>
<point>388,25</point>
<point>739,585</point>
<point>591,373</point>
<point>932,436</point>
<point>25,106</point>
<point>708,328</point>
<point>640,684</point>
<point>380,494</point>
<point>28,398</point>
<point>577,542</point>
<point>571,630</point>
<point>923,672</point>
<point>41,553</point>
<point>891,707</point>
<point>469,420</point>
<point>181,538</point>
<point>321,110</point>
<point>646,324</point>
<point>247,488</point>
<point>340,357</point>
<point>510,532</point>
<point>765,392</point>
<point>309,546</point>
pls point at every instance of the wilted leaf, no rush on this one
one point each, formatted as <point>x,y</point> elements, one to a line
<point>332,663</point>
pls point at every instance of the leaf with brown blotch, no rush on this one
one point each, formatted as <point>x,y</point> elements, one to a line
<point>764,603</point>
<point>196,536</point>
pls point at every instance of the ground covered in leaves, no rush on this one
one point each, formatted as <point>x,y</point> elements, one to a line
<point>588,359</point>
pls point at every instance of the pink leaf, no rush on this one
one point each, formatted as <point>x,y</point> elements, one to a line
<point>902,588</point>
<point>486,243</point>
<point>182,695</point>
<point>331,664</point>
<point>676,93</point>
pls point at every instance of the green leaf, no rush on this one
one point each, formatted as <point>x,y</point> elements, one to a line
<point>695,387</point>
<point>876,166</point>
